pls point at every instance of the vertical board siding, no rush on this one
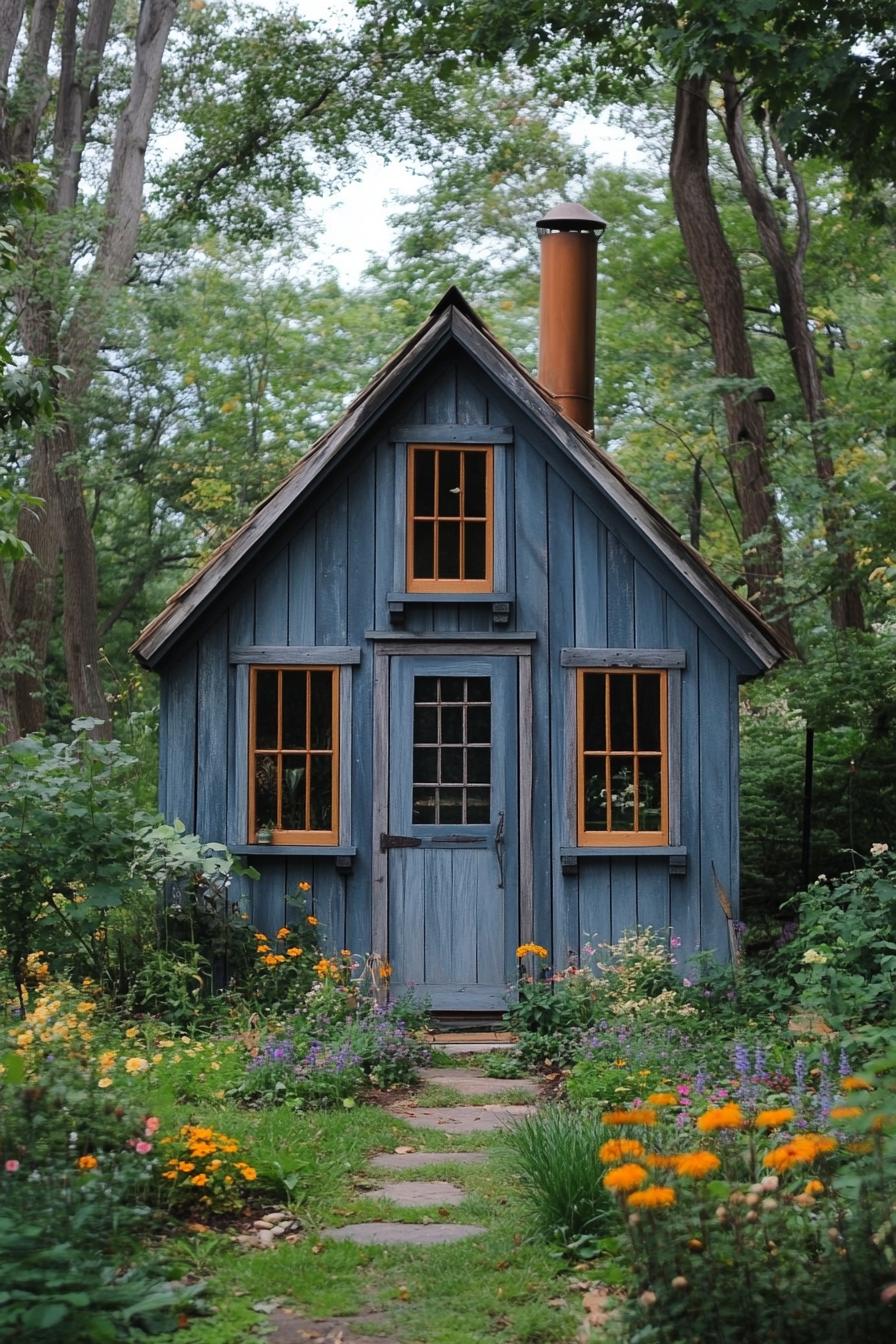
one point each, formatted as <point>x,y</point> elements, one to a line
<point>561,624</point>
<point>302,583</point>
<point>272,600</point>
<point>361,601</point>
<point>650,611</point>
<point>685,891</point>
<point>180,739</point>
<point>715,796</point>
<point>620,595</point>
<point>332,568</point>
<point>384,523</point>
<point>590,578</point>
<point>212,775</point>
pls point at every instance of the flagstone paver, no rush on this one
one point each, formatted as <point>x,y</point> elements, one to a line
<point>418,1194</point>
<point>461,1119</point>
<point>412,1161</point>
<point>287,1327</point>
<point>408,1234</point>
<point>473,1082</point>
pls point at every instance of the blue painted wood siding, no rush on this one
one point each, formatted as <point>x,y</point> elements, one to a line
<point>579,576</point>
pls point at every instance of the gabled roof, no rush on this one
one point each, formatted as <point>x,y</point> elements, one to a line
<point>453,319</point>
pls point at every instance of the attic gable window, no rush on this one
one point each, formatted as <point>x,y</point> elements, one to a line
<point>451,518</point>
<point>294,754</point>
<point>623,756</point>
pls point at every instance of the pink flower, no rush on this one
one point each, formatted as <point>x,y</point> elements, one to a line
<point>686,982</point>
<point>675,942</point>
<point>11,1165</point>
<point>143,1147</point>
<point>152,1124</point>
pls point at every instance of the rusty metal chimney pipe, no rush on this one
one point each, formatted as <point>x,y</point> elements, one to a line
<point>568,308</point>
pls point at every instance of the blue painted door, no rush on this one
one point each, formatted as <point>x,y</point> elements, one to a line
<point>453,843</point>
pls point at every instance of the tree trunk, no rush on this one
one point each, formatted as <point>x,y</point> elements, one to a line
<point>718,279</point>
<point>788,270</point>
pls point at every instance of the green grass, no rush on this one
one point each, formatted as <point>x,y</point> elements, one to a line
<point>441,1094</point>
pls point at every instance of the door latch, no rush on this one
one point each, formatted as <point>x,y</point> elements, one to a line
<point>499,848</point>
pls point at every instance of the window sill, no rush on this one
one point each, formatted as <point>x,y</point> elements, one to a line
<point>676,854</point>
<point>500,603</point>
<point>344,855</point>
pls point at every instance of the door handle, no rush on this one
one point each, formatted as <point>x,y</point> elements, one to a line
<point>499,848</point>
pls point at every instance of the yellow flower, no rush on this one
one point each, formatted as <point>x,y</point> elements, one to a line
<point>131,1033</point>
<point>729,1116</point>
<point>654,1197</point>
<point>86,1163</point>
<point>814,1188</point>
<point>696,1165</point>
<point>772,1119</point>
<point>158,1057</point>
<point>854,1084</point>
<point>199,1179</point>
<point>261,937</point>
<point>248,1173</point>
<point>283,933</point>
<point>272,960</point>
<point>310,919</point>
<point>614,1150</point>
<point>293,951</point>
<point>627,1177</point>
<point>642,1116</point>
<point>531,949</point>
<point>663,1099</point>
<point>104,1082</point>
<point>186,1166</point>
<point>107,1059</point>
<point>136,1064</point>
<point>845,1112</point>
<point>169,1175</point>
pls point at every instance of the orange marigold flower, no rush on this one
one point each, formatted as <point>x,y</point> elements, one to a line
<point>663,1099</point>
<point>662,1161</point>
<point>696,1165</point>
<point>304,886</point>
<point>654,1197</point>
<point>803,1148</point>
<point>531,949</point>
<point>169,1175</point>
<point>186,1166</point>
<point>87,1162</point>
<point>772,1119</point>
<point>385,971</point>
<point>814,1188</point>
<point>199,1179</point>
<point>616,1150</point>
<point>729,1116</point>
<point>310,919</point>
<point>627,1177</point>
<point>642,1116</point>
<point>248,1173</point>
<point>854,1084</point>
<point>844,1112</point>
<point>293,951</point>
<point>283,933</point>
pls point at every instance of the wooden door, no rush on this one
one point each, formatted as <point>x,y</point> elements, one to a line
<point>453,838</point>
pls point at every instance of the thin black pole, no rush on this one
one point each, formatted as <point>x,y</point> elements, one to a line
<point>807,805</point>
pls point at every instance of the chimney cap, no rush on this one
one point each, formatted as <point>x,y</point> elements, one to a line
<point>571,218</point>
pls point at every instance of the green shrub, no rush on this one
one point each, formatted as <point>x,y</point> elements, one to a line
<point>555,1154</point>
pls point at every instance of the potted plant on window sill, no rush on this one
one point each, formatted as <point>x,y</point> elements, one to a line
<point>264,834</point>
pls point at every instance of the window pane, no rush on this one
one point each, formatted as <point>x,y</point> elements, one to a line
<point>650,798</point>
<point>474,485</point>
<point>595,794</point>
<point>452,765</point>
<point>423,550</point>
<point>452,689</point>
<point>474,550</point>
<point>294,818</point>
<point>621,724</point>
<point>479,723</point>
<point>266,709</point>
<point>595,729</point>
<point>265,791</point>
<point>648,713</point>
<point>321,793</point>
<point>426,690</point>
<point>451,806</point>
<point>478,808</point>
<point>479,689</point>
<point>426,765</point>
<point>295,689</point>
<point>322,709</point>
<point>449,484</point>
<point>478,765</point>
<point>449,551</point>
<point>452,723</point>
<point>424,481</point>
<point>423,812</point>
<point>622,790</point>
<point>426,724</point>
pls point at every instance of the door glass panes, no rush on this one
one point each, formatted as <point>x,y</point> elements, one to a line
<point>452,751</point>
<point>294,767</point>
<point>622,753</point>
<point>450,516</point>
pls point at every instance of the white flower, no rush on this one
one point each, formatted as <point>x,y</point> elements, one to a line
<point>813,957</point>
<point>878,849</point>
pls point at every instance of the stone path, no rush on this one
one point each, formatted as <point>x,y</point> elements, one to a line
<point>424,1194</point>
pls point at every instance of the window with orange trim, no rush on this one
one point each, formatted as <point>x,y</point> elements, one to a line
<point>622,756</point>
<point>450,518</point>
<point>294,754</point>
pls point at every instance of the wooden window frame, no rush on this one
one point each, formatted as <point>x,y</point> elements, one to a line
<point>434,585</point>
<point>293,837</point>
<point>634,838</point>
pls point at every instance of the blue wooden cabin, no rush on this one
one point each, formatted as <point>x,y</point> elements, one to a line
<point>459,675</point>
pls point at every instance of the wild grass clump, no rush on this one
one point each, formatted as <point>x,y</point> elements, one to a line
<point>555,1154</point>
